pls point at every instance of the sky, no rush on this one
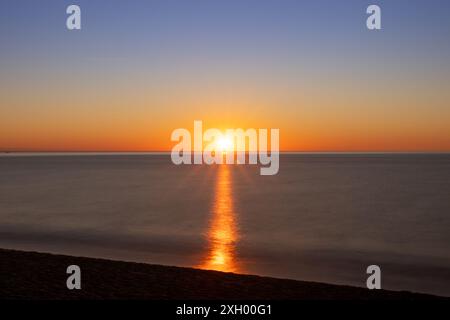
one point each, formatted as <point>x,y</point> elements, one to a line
<point>137,70</point>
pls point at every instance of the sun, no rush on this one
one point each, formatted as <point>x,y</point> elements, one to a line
<point>224,144</point>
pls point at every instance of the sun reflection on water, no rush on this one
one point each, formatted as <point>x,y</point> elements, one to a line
<point>222,234</point>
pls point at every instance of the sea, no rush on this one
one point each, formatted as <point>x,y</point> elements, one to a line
<point>325,217</point>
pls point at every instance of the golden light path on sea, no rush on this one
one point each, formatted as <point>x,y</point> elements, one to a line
<point>222,234</point>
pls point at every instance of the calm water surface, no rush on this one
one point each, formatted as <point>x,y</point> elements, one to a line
<point>324,217</point>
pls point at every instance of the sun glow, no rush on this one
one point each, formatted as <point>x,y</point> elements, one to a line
<point>224,144</point>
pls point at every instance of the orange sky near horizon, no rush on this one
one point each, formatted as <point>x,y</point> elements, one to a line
<point>118,117</point>
<point>156,137</point>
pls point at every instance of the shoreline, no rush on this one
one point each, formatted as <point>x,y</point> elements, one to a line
<point>28,275</point>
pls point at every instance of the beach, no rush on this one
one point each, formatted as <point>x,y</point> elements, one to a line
<point>42,276</point>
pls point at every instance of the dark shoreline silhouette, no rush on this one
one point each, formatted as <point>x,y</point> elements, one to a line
<point>42,276</point>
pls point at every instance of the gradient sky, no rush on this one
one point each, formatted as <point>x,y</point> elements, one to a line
<point>139,69</point>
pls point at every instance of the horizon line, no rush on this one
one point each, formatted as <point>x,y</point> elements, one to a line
<point>80,152</point>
